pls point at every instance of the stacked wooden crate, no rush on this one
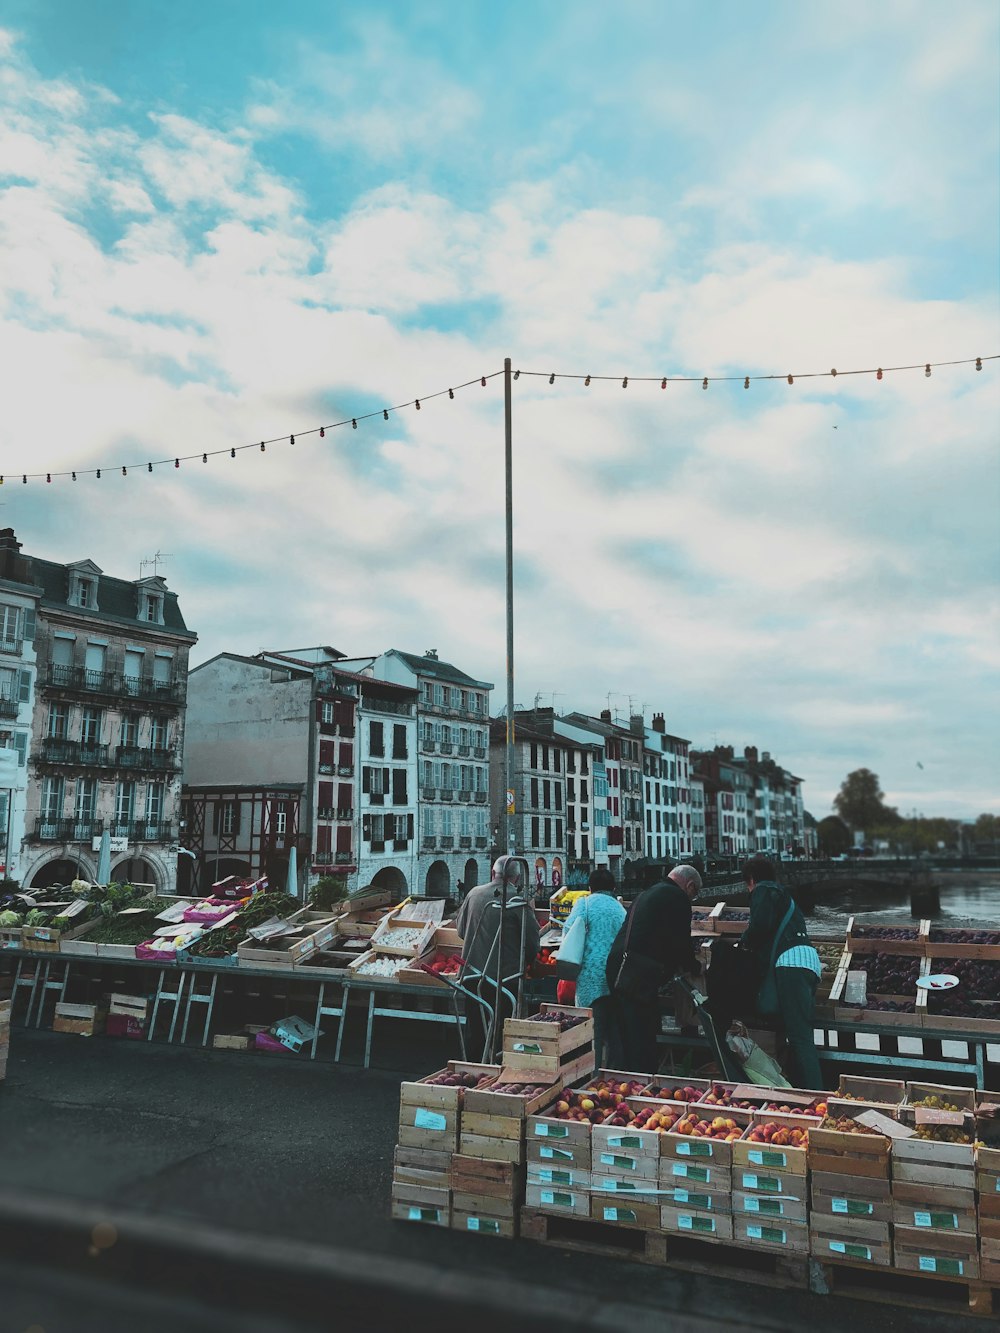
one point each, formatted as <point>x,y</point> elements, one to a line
<point>769,1184</point>
<point>696,1178</point>
<point>988,1200</point>
<point>933,1184</point>
<point>850,1201</point>
<point>559,1160</point>
<point>428,1139</point>
<point>625,1172</point>
<point>557,1041</point>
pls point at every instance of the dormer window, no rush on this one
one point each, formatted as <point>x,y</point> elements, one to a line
<point>152,608</point>
<point>84,593</point>
<point>150,598</point>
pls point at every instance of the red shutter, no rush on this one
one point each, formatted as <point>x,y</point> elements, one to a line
<point>344,838</point>
<point>346,754</point>
<point>345,796</point>
<point>326,754</point>
<point>326,795</point>
<point>324,838</point>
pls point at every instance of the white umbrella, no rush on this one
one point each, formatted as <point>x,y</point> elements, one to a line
<point>292,882</point>
<point>104,859</point>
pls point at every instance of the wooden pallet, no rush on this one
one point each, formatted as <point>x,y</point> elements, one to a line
<point>712,1258</point>
<point>920,1291</point>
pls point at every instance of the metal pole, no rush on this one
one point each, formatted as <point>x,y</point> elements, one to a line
<point>510,795</point>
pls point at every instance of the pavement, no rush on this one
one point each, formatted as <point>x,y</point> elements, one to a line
<point>250,1192</point>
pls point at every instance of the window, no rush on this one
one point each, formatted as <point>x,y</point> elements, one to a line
<point>124,802</point>
<point>583,793</point>
<point>559,833</point>
<point>86,801</point>
<point>159,733</point>
<point>85,592</point>
<point>132,671</point>
<point>58,724</point>
<point>90,731</point>
<point>53,791</point>
<point>534,794</point>
<point>62,651</point>
<point>130,730</point>
<point>376,739</point>
<point>96,659</point>
<point>534,755</point>
<point>558,795</point>
<point>399,747</point>
<point>545,758</point>
<point>281,815</point>
<point>547,794</point>
<point>16,624</point>
<point>534,831</point>
<point>226,818</point>
<point>154,802</point>
<point>556,761</point>
<point>344,840</point>
<point>326,713</point>
<point>152,608</point>
<point>439,694</point>
<point>548,833</point>
<point>464,700</point>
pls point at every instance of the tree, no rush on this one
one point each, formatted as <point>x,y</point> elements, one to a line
<point>860,801</point>
<point>834,836</point>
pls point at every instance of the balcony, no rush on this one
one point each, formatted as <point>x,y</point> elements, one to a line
<point>479,751</point>
<point>325,812</point>
<point>134,756</point>
<point>68,830</point>
<point>345,812</point>
<point>110,683</point>
<point>481,797</point>
<point>465,794</point>
<point>428,793</point>
<point>327,768</point>
<point>8,706</point>
<point>147,830</point>
<point>322,858</point>
<point>463,749</point>
<point>342,858</point>
<point>446,747</point>
<point>429,842</point>
<point>446,844</point>
<point>482,842</point>
<point>57,751</point>
<point>428,744</point>
<point>11,647</point>
<point>345,770</point>
<point>465,842</point>
<point>446,794</point>
<point>391,706</point>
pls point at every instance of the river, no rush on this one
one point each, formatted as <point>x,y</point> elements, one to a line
<point>963,899</point>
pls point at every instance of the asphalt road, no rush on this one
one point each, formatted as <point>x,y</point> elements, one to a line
<point>278,1162</point>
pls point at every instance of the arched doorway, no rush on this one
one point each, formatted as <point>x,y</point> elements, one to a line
<point>136,870</point>
<point>438,882</point>
<point>392,879</point>
<point>471,876</point>
<point>59,872</point>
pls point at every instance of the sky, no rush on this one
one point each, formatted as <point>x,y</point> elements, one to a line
<point>238,221</point>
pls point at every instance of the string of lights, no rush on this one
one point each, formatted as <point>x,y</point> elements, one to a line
<point>384,412</point>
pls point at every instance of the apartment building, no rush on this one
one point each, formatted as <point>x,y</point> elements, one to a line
<point>106,738</point>
<point>541,760</point>
<point>290,750</point>
<point>667,793</point>
<point>453,827</point>
<point>622,765</point>
<point>19,597</point>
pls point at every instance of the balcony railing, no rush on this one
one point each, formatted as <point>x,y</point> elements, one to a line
<point>482,842</point>
<point>12,647</point>
<point>148,830</point>
<point>481,797</point>
<point>135,756</point>
<point>446,747</point>
<point>479,751</point>
<point>68,830</point>
<point>57,751</point>
<point>465,841</point>
<point>388,706</point>
<point>322,858</point>
<point>342,858</point>
<point>447,843</point>
<point>325,812</point>
<point>8,706</point>
<point>429,842</point>
<point>327,768</point>
<point>110,682</point>
<point>345,812</point>
<point>428,744</point>
<point>463,749</point>
<point>346,770</point>
<point>465,794</point>
<point>428,793</point>
<point>446,794</point>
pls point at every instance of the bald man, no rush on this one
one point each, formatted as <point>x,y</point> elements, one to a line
<point>658,927</point>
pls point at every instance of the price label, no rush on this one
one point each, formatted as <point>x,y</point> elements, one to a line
<point>558,1154</point>
<point>773,1234</point>
<point>772,1207</point>
<point>558,1199</point>
<point>928,1263</point>
<point>690,1172</point>
<point>527,1048</point>
<point>425,1214</point>
<point>625,1141</point>
<point>852,1207</point>
<point>766,1184</point>
<point>486,1224</point>
<point>543,1131</point>
<point>851,1251</point>
<point>694,1150</point>
<point>623,1163</point>
<point>553,1177</point>
<point>687,1222</point>
<point>621,1187</point>
<point>425,1119</point>
<point>939,1221</point>
<point>695,1200</point>
<point>760,1157</point>
<point>619,1214</point>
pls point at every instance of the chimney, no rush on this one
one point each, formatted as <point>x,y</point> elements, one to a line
<point>658,723</point>
<point>637,724</point>
<point>13,565</point>
<point>750,753</point>
<point>767,756</point>
<point>605,714</point>
<point>432,653</point>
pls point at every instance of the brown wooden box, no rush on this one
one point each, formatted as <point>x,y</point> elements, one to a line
<point>430,1167</point>
<point>929,1152</point>
<point>771,1235</point>
<point>838,1153</point>
<point>692,1222</point>
<point>770,1157</point>
<point>963,1098</point>
<point>224,1041</point>
<point>531,1036</point>
<point>414,1203</point>
<point>491,1147</point>
<point>423,1093</point>
<point>84,1020</point>
<point>686,1147</point>
<point>950,947</point>
<point>933,1207</point>
<point>702,1175</point>
<point>846,1198</point>
<point>558,1199</point>
<point>914,947</point>
<point>946,1254</point>
<point>624,1211</point>
<point>508,1104</point>
<point>306,932</point>
<point>860,1242</point>
<point>483,1224</point>
<point>872,1091</point>
<point>769,1206</point>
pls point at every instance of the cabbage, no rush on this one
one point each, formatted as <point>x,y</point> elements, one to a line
<point>9,919</point>
<point>36,918</point>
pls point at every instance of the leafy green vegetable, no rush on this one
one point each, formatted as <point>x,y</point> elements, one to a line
<point>10,919</point>
<point>36,917</point>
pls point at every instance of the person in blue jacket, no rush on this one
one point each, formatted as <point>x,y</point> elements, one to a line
<point>603,914</point>
<point>797,966</point>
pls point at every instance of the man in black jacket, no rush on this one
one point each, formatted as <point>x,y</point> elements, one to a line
<point>658,928</point>
<point>797,967</point>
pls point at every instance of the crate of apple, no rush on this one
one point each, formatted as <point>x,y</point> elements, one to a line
<point>451,1078</point>
<point>577,1104</point>
<point>561,1019</point>
<point>720,1095</point>
<point>611,1090</point>
<point>655,1119</point>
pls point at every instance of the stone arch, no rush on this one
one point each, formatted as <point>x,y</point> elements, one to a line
<point>392,879</point>
<point>138,870</point>
<point>60,869</point>
<point>438,882</point>
<point>470,877</point>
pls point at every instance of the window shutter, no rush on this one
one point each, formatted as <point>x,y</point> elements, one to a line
<point>409,826</point>
<point>29,624</point>
<point>399,786</point>
<point>326,794</point>
<point>366,828</point>
<point>344,838</point>
<point>385,782</point>
<point>326,755</point>
<point>344,796</point>
<point>319,710</point>
<point>366,779</point>
<point>21,746</point>
<point>23,686</point>
<point>346,754</point>
<point>216,810</point>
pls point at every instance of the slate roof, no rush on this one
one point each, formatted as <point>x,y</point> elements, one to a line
<point>431,666</point>
<point>117,599</point>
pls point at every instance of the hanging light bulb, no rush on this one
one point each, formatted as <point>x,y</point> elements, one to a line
<point>704,383</point>
<point>979,363</point>
<point>72,474</point>
<point>552,378</point>
<point>625,382</point>
<point>483,381</point>
<point>517,374</point>
<point>322,432</point>
<point>177,462</point>
<point>927,371</point>
<point>124,472</point>
<point>418,404</point>
<point>663,382</point>
<point>586,382</point>
<point>385,414</point>
<point>791,380</point>
<point>24,480</point>
<point>204,458</point>
<point>878,373</point>
<point>262,449</point>
<point>746,382</point>
<point>149,467</point>
<point>834,373</point>
<point>354,422</point>
<point>48,477</point>
<point>98,474</point>
<point>451,393</point>
<point>291,439</point>
<point>232,453</point>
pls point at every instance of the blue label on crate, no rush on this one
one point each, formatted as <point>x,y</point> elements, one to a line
<point>424,1119</point>
<point>939,1221</point>
<point>487,1224</point>
<point>619,1214</point>
<point>686,1222</point>
<point>690,1172</point>
<point>852,1207</point>
<point>555,1154</point>
<point>929,1263</point>
<point>543,1131</point>
<point>760,1157</point>
<point>850,1251</point>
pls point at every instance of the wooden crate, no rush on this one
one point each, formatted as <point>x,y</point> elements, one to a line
<point>946,1254</point>
<point>963,1098</point>
<point>558,1199</point>
<point>385,936</point>
<point>48,939</point>
<point>784,1158</point>
<point>699,1198</point>
<point>688,1148</point>
<point>942,942</point>
<point>837,1153</point>
<point>558,1142</point>
<point>928,1152</point>
<point>415,1203</point>
<point>625,1212</point>
<point>622,1139</point>
<point>915,946</point>
<point>305,933</point>
<point>415,975</point>
<point>934,1208</point>
<point>986,1025</point>
<point>844,1012</point>
<point>487,1179</point>
<point>773,1235</point>
<point>768,1206</point>
<point>685,1221</point>
<point>862,1242</point>
<point>441,1095</point>
<point>570,1177</point>
<point>698,1174</point>
<point>531,1036</point>
<point>872,1091</point>
<point>849,1198</point>
<point>83,1020</point>
<point>723,927</point>
<point>508,1104</point>
<point>484,1224</point>
<point>492,1147</point>
<point>429,1167</point>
